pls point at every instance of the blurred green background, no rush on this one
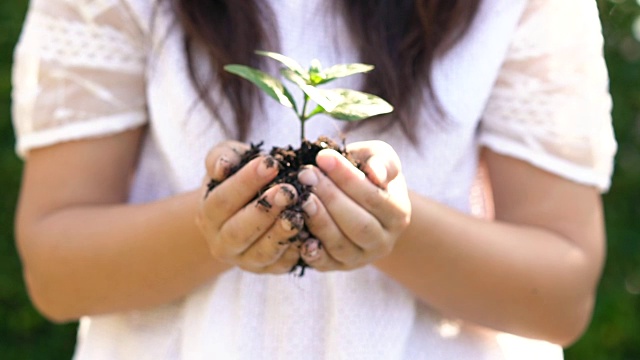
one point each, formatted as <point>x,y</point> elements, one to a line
<point>615,331</point>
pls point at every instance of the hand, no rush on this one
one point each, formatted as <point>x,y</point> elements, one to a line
<point>356,216</point>
<point>251,234</point>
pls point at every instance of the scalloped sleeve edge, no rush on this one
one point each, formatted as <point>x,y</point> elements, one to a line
<point>91,128</point>
<point>580,174</point>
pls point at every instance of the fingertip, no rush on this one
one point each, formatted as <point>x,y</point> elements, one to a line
<point>377,172</point>
<point>310,207</point>
<point>222,168</point>
<point>292,220</point>
<point>311,250</point>
<point>285,196</point>
<point>267,166</point>
<point>307,176</point>
<point>326,159</point>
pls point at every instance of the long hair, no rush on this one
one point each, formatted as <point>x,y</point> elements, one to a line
<point>401,38</point>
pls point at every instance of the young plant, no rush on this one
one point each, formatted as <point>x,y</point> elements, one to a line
<point>340,104</point>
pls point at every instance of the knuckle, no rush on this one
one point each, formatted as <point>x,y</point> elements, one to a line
<point>259,256</point>
<point>217,203</point>
<point>271,251</point>
<point>398,221</point>
<point>365,232</point>
<point>385,249</point>
<point>338,251</point>
<point>376,197</point>
<point>382,249</point>
<point>365,228</point>
<point>229,235</point>
<point>222,254</point>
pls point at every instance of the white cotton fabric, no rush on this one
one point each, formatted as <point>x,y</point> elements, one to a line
<point>528,81</point>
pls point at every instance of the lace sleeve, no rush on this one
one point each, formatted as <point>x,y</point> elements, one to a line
<point>550,105</point>
<point>78,72</point>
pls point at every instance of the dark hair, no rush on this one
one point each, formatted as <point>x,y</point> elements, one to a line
<point>401,38</point>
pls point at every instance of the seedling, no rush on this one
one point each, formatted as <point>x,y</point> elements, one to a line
<point>340,104</point>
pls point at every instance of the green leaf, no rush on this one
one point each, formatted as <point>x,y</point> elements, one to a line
<point>286,61</point>
<point>316,76</point>
<point>354,105</point>
<point>344,70</point>
<point>318,110</point>
<point>315,94</point>
<point>272,86</point>
<point>316,66</point>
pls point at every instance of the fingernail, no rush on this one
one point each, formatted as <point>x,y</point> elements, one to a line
<point>308,177</point>
<point>284,196</point>
<point>222,168</point>
<point>310,208</point>
<point>311,249</point>
<point>325,161</point>
<point>267,166</point>
<point>291,220</point>
<point>378,170</point>
<point>264,204</point>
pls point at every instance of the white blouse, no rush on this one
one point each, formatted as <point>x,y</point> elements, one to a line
<point>528,81</point>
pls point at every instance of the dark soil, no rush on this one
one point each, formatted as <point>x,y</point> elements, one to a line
<point>291,161</point>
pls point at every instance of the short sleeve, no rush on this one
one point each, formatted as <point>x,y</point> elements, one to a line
<point>79,72</point>
<point>550,105</point>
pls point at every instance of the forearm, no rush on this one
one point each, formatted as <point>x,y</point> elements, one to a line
<point>519,279</point>
<point>83,260</point>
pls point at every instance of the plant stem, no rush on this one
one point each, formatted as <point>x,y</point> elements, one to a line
<point>303,117</point>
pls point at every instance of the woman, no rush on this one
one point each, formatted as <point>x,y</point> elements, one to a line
<point>118,103</point>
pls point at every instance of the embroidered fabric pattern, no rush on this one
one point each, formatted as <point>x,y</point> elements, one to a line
<point>551,95</point>
<point>73,43</point>
<point>80,67</point>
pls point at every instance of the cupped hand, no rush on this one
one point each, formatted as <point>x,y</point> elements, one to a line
<point>240,229</point>
<point>356,216</point>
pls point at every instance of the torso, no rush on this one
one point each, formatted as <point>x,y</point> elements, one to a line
<point>356,315</point>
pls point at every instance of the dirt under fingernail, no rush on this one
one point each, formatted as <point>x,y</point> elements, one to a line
<point>284,165</point>
<point>264,203</point>
<point>311,249</point>
<point>292,220</point>
<point>222,168</point>
<point>284,196</point>
<point>265,168</point>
